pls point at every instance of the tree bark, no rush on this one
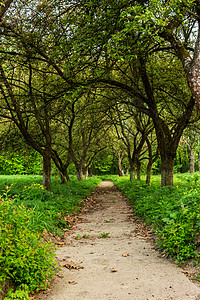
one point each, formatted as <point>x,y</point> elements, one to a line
<point>149,168</point>
<point>64,176</point>
<point>47,169</point>
<point>120,166</point>
<point>79,173</point>
<point>86,173</point>
<point>167,171</point>
<point>127,171</point>
<point>4,6</point>
<point>192,161</point>
<point>132,172</point>
<point>138,170</point>
<point>199,161</point>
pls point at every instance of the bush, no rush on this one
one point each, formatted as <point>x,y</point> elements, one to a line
<point>24,259</point>
<point>173,212</point>
<point>50,207</point>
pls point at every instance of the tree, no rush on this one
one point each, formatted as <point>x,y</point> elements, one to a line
<point>4,5</point>
<point>152,155</point>
<point>190,139</point>
<point>33,81</point>
<point>123,54</point>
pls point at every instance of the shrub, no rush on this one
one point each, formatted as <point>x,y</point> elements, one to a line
<point>24,259</point>
<point>173,212</point>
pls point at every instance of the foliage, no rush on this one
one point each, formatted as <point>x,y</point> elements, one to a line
<point>49,206</point>
<point>104,235</point>
<point>19,163</point>
<point>21,292</point>
<point>173,212</point>
<point>23,258</point>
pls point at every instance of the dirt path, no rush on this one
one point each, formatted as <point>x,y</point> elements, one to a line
<point>139,273</point>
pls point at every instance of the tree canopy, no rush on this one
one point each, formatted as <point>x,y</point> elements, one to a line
<point>72,70</point>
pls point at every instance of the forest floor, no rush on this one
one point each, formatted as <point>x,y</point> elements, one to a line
<point>110,254</point>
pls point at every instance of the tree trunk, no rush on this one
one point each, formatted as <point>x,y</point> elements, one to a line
<point>132,172</point>
<point>47,169</point>
<point>167,171</point>
<point>138,170</point>
<point>199,161</point>
<point>127,170</point>
<point>121,172</point>
<point>149,168</point>
<point>80,174</point>
<point>192,161</point>
<point>120,166</point>
<point>64,176</point>
<point>86,173</point>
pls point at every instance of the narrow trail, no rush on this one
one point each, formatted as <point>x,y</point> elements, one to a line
<point>122,267</point>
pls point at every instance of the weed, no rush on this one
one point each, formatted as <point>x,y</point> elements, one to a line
<point>104,235</point>
<point>78,237</point>
<point>108,221</point>
<point>85,236</point>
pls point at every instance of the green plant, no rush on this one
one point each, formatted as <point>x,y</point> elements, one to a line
<point>173,212</point>
<point>24,258</point>
<point>84,236</point>
<point>21,293</point>
<point>104,235</point>
<point>78,236</point>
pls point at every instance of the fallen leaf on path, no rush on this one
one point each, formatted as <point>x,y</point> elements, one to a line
<point>61,244</point>
<point>72,282</point>
<point>71,265</point>
<point>113,270</point>
<point>44,232</point>
<point>125,254</point>
<point>65,229</point>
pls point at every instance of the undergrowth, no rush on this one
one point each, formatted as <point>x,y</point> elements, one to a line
<point>173,212</point>
<point>24,259</point>
<point>26,209</point>
<point>49,206</point>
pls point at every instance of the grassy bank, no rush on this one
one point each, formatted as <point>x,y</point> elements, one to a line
<point>26,209</point>
<point>47,205</point>
<point>173,212</point>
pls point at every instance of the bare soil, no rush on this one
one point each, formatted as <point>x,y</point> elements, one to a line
<point>122,264</point>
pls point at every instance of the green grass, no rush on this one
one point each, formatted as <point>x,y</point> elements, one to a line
<point>49,206</point>
<point>173,212</point>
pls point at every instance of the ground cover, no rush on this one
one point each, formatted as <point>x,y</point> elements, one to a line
<point>27,210</point>
<point>108,255</point>
<point>173,212</point>
<point>49,206</point>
